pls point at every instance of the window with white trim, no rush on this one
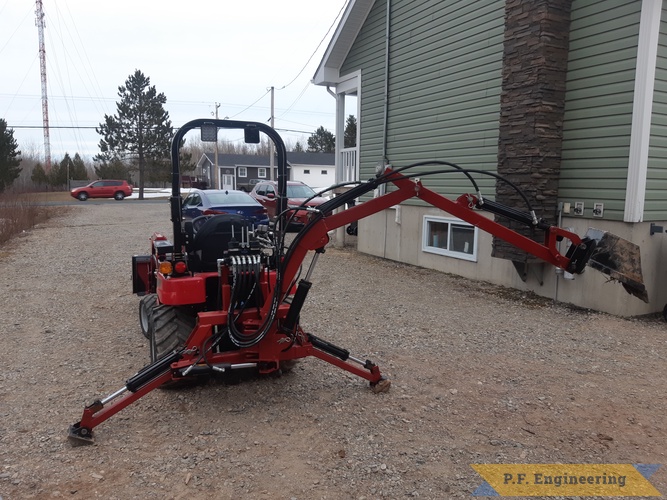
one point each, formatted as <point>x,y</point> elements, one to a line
<point>450,237</point>
<point>306,171</point>
<point>261,172</point>
<point>243,172</point>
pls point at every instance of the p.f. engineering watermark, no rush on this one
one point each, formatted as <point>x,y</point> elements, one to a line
<point>543,480</point>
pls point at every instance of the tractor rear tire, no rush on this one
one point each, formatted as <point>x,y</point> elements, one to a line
<point>146,305</point>
<point>169,328</point>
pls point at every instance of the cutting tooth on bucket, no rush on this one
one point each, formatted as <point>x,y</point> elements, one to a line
<point>619,259</point>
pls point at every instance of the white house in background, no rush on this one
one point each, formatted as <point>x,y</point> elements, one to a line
<point>244,171</point>
<point>318,170</point>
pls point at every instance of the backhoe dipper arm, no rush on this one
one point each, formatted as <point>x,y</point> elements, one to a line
<point>466,207</point>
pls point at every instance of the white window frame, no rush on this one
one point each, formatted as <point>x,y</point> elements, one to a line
<point>243,171</point>
<point>261,172</point>
<point>451,221</point>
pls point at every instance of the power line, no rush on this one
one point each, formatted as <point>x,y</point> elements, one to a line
<point>246,109</point>
<point>36,127</point>
<point>317,48</point>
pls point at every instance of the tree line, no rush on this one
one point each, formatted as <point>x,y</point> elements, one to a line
<point>137,139</point>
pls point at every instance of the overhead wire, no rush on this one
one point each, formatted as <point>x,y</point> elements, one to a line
<point>247,108</point>
<point>296,100</point>
<point>316,48</point>
<point>53,63</point>
<point>301,94</point>
<point>18,25</point>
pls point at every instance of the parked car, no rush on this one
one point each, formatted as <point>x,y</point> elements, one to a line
<point>106,188</point>
<point>265,193</point>
<point>247,186</point>
<point>223,201</point>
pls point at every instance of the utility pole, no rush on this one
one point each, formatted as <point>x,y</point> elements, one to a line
<point>216,175</point>
<point>272,153</point>
<point>42,69</point>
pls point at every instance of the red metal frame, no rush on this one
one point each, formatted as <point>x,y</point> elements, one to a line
<point>277,345</point>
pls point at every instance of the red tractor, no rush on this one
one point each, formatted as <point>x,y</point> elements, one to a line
<point>225,295</point>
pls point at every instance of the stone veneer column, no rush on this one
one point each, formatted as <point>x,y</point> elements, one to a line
<point>532,106</point>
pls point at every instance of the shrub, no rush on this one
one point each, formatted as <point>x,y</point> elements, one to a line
<point>19,212</point>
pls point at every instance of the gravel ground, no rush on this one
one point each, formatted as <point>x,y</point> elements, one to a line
<point>480,374</point>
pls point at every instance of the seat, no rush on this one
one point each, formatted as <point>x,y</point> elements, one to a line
<point>211,241</point>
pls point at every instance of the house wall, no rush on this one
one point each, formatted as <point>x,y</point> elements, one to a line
<point>319,175</point>
<point>589,290</point>
<point>598,110</point>
<point>367,53</point>
<point>443,106</point>
<point>444,86</point>
<point>655,208</point>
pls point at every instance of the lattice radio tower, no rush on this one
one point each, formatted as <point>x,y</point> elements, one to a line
<point>42,69</point>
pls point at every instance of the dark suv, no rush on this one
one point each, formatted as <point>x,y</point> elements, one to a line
<point>265,192</point>
<point>103,189</point>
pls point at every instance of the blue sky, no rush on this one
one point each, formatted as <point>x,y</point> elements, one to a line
<point>197,53</point>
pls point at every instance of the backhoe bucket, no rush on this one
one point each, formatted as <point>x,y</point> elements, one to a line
<point>620,260</point>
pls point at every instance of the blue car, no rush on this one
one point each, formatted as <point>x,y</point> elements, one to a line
<point>223,201</point>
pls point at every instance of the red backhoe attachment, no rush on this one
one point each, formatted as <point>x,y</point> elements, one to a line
<point>234,301</point>
<point>619,259</point>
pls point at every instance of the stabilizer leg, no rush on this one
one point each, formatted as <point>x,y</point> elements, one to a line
<point>147,379</point>
<point>339,357</point>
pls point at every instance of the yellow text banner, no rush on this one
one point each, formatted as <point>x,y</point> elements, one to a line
<point>606,480</point>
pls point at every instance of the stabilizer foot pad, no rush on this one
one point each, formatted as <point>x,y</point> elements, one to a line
<point>79,436</point>
<point>381,386</point>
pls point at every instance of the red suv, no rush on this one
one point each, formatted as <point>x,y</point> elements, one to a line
<point>103,189</point>
<point>265,192</point>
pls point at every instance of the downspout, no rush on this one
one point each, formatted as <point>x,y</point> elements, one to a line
<point>386,82</point>
<point>385,161</point>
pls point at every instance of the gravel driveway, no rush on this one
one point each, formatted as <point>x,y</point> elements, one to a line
<point>480,374</point>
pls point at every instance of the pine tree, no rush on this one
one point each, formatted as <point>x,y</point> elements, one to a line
<point>77,170</point>
<point>141,131</point>
<point>10,160</point>
<point>39,176</point>
<point>350,136</point>
<point>321,141</point>
<point>112,169</point>
<point>58,174</point>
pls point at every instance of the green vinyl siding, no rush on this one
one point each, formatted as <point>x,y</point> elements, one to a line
<point>367,55</point>
<point>598,108</point>
<point>655,207</point>
<point>444,87</point>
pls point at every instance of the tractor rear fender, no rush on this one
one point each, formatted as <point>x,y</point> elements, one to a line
<point>142,270</point>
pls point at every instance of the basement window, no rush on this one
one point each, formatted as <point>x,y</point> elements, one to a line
<point>449,237</point>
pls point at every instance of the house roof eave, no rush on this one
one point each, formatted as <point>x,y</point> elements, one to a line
<point>328,71</point>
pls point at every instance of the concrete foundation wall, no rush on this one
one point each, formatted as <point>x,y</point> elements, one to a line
<point>396,234</point>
